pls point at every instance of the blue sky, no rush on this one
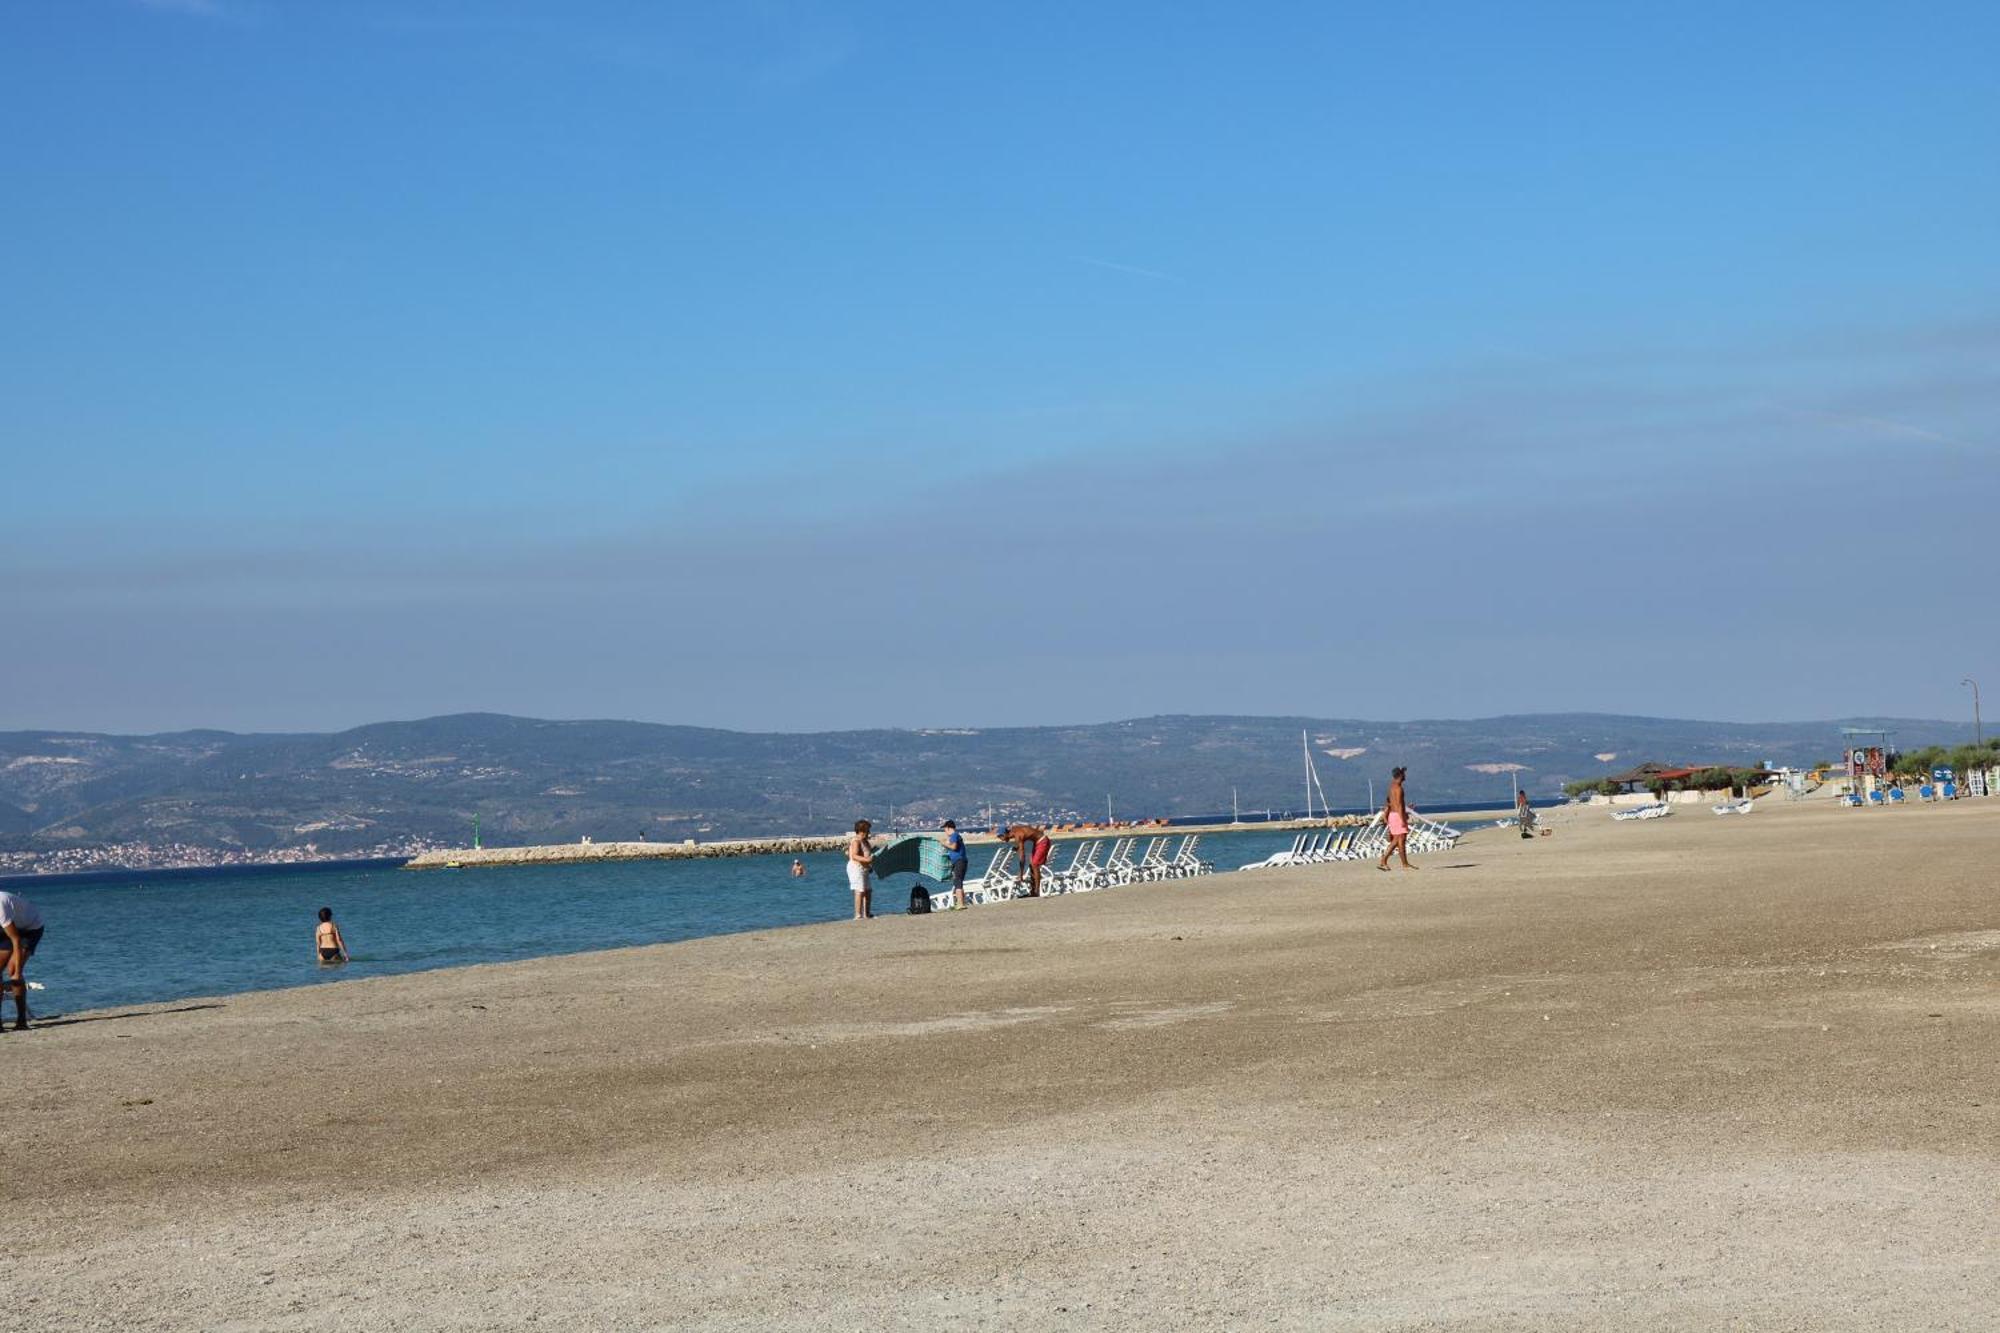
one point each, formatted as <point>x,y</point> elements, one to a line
<point>801,365</point>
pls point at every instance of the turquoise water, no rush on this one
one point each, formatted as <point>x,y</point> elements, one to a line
<point>139,941</point>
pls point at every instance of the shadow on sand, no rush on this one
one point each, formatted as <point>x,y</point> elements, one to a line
<point>58,1021</point>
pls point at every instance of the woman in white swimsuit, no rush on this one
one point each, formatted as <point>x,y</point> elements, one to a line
<point>860,864</point>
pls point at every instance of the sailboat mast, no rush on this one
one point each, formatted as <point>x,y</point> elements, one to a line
<point>1305,749</point>
<point>1314,784</point>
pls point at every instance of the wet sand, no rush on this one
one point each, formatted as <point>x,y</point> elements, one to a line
<point>1691,1073</point>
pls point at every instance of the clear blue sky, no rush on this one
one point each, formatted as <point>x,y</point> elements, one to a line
<point>807,365</point>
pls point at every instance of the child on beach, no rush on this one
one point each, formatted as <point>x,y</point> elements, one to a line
<point>326,939</point>
<point>954,853</point>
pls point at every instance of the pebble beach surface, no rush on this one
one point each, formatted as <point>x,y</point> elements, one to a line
<point>1692,1073</point>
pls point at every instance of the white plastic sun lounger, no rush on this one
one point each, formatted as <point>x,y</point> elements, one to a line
<point>1082,872</point>
<point>1066,879</point>
<point>1285,858</point>
<point>1120,868</point>
<point>1187,861</point>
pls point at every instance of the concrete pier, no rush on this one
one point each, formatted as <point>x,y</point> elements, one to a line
<point>570,853</point>
<point>573,853</point>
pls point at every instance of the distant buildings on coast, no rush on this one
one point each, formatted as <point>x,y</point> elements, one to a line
<point>186,856</point>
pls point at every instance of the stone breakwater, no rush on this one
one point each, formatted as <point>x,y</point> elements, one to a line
<point>571,853</point>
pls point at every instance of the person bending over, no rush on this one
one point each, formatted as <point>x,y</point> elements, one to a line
<point>1022,838</point>
<point>20,935</point>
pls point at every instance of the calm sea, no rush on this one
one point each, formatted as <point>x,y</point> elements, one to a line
<point>138,939</point>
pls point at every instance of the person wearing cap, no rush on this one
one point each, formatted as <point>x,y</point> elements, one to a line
<point>20,933</point>
<point>1023,838</point>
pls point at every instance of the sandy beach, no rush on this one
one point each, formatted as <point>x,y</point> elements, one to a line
<point>1695,1073</point>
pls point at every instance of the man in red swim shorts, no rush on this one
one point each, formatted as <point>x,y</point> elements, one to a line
<point>1036,860</point>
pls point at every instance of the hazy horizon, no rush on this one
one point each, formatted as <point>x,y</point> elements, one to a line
<point>984,727</point>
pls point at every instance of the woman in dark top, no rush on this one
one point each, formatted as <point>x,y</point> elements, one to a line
<point>326,939</point>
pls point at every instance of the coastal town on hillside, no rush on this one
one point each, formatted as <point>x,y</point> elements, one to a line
<point>190,856</point>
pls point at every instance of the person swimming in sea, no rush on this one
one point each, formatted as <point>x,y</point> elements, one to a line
<point>326,939</point>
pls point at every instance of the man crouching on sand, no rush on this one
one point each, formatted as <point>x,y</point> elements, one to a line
<point>20,933</point>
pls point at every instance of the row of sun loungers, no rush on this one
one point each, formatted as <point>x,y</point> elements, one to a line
<point>1359,842</point>
<point>1101,864</point>
<point>1657,810</point>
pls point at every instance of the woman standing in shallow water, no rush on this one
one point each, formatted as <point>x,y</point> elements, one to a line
<point>1396,814</point>
<point>327,941</point>
<point>860,864</point>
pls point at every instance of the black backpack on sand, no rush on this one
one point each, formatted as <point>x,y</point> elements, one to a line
<point>920,900</point>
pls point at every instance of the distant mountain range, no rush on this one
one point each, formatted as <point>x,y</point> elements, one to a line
<point>538,781</point>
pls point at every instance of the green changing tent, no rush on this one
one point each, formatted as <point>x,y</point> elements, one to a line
<point>913,856</point>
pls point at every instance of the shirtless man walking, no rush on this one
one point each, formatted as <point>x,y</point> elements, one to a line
<point>1396,814</point>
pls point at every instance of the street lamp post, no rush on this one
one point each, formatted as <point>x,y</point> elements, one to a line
<point>1978,737</point>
